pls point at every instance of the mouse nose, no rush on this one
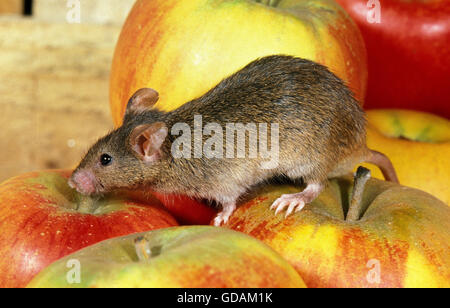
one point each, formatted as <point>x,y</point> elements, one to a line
<point>72,183</point>
<point>83,181</point>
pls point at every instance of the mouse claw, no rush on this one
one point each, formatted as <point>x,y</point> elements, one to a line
<point>296,205</point>
<point>294,202</point>
<point>219,220</point>
<point>224,216</point>
<point>281,205</point>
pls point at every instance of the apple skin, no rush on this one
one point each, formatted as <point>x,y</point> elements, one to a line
<point>417,143</point>
<point>406,230</point>
<point>186,210</point>
<point>40,223</point>
<point>182,49</point>
<point>408,54</point>
<point>187,257</point>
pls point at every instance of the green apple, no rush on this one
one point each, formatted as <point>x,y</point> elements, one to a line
<point>187,257</point>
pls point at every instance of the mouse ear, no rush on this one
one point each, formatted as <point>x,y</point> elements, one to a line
<point>142,100</point>
<point>146,141</point>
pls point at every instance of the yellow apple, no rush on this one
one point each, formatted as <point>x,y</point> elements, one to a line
<point>184,48</point>
<point>418,145</point>
<point>183,257</point>
<point>395,236</point>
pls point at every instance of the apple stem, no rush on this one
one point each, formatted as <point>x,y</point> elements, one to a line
<point>86,205</point>
<point>361,177</point>
<point>272,3</point>
<point>143,250</point>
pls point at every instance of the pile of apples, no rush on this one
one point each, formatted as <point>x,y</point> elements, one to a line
<point>53,237</point>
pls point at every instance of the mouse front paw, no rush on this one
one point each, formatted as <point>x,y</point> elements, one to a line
<point>224,216</point>
<point>220,219</point>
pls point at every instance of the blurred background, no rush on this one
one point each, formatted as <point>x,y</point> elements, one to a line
<point>54,80</point>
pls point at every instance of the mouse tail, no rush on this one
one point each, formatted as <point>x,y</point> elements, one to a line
<point>385,165</point>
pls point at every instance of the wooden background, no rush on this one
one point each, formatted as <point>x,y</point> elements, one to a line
<point>11,6</point>
<point>54,81</point>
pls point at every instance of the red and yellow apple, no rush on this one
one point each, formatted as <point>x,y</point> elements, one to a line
<point>43,219</point>
<point>418,145</point>
<point>401,239</point>
<point>408,53</point>
<point>185,257</point>
<point>184,48</point>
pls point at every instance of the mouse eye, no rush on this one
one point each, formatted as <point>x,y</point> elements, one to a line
<point>105,159</point>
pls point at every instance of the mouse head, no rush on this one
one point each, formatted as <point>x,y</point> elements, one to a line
<point>127,156</point>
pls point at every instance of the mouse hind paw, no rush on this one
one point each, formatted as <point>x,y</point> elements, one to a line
<point>291,202</point>
<point>296,202</point>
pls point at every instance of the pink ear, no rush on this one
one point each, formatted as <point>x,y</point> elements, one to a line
<point>142,100</point>
<point>146,140</point>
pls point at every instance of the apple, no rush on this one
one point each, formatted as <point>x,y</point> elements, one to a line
<point>391,236</point>
<point>186,210</point>
<point>184,48</point>
<point>183,257</point>
<point>43,219</point>
<point>408,53</point>
<point>418,145</point>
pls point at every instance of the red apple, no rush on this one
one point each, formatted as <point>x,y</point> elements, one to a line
<point>186,210</point>
<point>42,220</point>
<point>408,53</point>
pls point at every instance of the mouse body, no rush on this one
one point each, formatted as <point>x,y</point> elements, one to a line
<point>306,122</point>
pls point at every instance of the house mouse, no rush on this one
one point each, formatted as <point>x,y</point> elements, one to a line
<point>278,116</point>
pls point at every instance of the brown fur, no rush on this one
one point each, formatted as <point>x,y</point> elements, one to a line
<point>322,133</point>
